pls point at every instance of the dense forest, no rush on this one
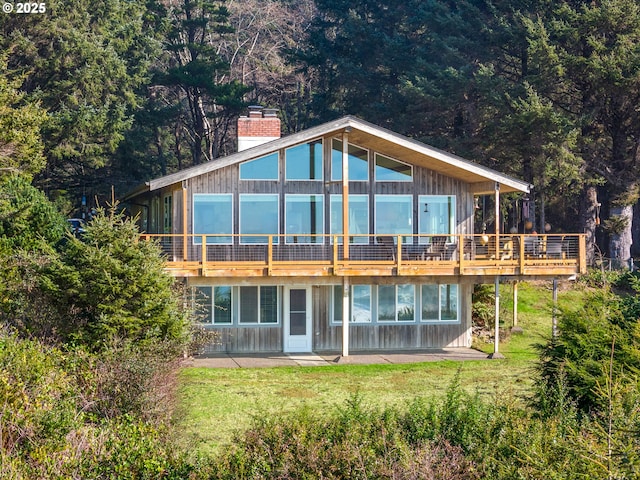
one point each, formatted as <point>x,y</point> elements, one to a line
<point>100,96</point>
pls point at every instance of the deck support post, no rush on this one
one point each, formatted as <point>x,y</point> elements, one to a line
<point>496,341</point>
<point>554,320</point>
<point>515,303</point>
<point>497,213</point>
<point>345,316</point>
<point>184,222</point>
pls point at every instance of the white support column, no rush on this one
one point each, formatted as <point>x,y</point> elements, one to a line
<point>345,316</point>
<point>496,341</point>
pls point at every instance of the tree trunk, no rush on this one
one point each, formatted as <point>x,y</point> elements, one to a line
<point>620,241</point>
<point>590,220</point>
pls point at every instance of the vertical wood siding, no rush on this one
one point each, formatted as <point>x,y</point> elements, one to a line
<point>328,337</point>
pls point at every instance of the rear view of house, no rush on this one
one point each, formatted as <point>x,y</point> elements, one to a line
<point>342,237</point>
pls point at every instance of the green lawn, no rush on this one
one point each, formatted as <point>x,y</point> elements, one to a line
<point>216,403</point>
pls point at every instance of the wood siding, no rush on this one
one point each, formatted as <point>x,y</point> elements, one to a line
<point>425,182</point>
<point>374,336</point>
<point>247,340</point>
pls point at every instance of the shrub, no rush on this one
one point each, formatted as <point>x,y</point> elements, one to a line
<point>76,414</point>
<point>109,285</point>
<point>605,329</point>
<point>126,379</point>
<point>37,399</point>
<point>352,442</point>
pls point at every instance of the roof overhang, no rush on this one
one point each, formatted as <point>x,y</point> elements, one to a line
<point>483,180</point>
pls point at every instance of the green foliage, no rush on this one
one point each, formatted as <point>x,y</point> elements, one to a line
<point>27,218</point>
<point>195,75</point>
<point>109,285</point>
<point>21,147</point>
<point>84,62</point>
<point>354,442</point>
<point>52,426</point>
<point>37,400</point>
<point>604,331</point>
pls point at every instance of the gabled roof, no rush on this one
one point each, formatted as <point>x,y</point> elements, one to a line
<point>367,135</point>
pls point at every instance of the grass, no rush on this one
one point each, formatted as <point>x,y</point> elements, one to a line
<point>216,404</point>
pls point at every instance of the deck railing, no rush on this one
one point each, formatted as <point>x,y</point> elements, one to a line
<point>368,255</point>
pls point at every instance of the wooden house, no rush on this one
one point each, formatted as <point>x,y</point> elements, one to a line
<point>285,239</point>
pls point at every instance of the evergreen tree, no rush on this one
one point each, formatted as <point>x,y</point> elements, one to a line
<point>195,77</point>
<point>108,285</point>
<point>590,55</point>
<point>84,62</point>
<point>21,148</point>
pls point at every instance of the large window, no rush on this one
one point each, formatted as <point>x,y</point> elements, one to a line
<point>439,303</point>
<point>358,162</point>
<point>258,215</point>
<point>213,304</point>
<point>304,162</point>
<point>213,214</point>
<point>304,218</point>
<point>360,306</point>
<point>259,305</point>
<point>396,303</point>
<point>263,168</point>
<point>394,215</point>
<point>358,217</point>
<point>390,170</point>
<point>436,215</point>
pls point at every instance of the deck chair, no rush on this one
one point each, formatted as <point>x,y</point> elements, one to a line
<point>436,250</point>
<point>388,242</point>
<point>554,248</point>
<point>531,246</point>
<point>469,249</point>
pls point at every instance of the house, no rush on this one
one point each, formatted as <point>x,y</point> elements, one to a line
<point>285,239</point>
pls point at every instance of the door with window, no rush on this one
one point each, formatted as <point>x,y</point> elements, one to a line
<point>297,319</point>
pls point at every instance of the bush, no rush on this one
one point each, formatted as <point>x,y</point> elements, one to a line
<point>605,330</point>
<point>126,379</point>
<point>108,285</point>
<point>74,414</point>
<point>37,397</point>
<point>352,442</point>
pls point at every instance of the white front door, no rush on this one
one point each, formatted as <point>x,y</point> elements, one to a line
<point>297,319</point>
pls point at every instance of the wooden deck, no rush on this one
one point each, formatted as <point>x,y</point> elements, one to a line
<point>373,255</point>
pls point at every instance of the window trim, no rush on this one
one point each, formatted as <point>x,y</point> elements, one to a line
<point>335,302</point>
<point>396,321</point>
<point>319,236</point>
<point>407,236</point>
<point>212,305</point>
<point>277,160</point>
<point>439,320</point>
<point>276,234</point>
<point>364,240</point>
<point>375,169</point>
<point>259,323</point>
<point>197,237</point>
<point>452,220</point>
<point>322,175</point>
<point>338,178</point>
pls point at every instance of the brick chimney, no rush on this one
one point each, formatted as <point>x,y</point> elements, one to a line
<point>261,126</point>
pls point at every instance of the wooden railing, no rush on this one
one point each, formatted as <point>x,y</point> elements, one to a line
<point>372,255</point>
